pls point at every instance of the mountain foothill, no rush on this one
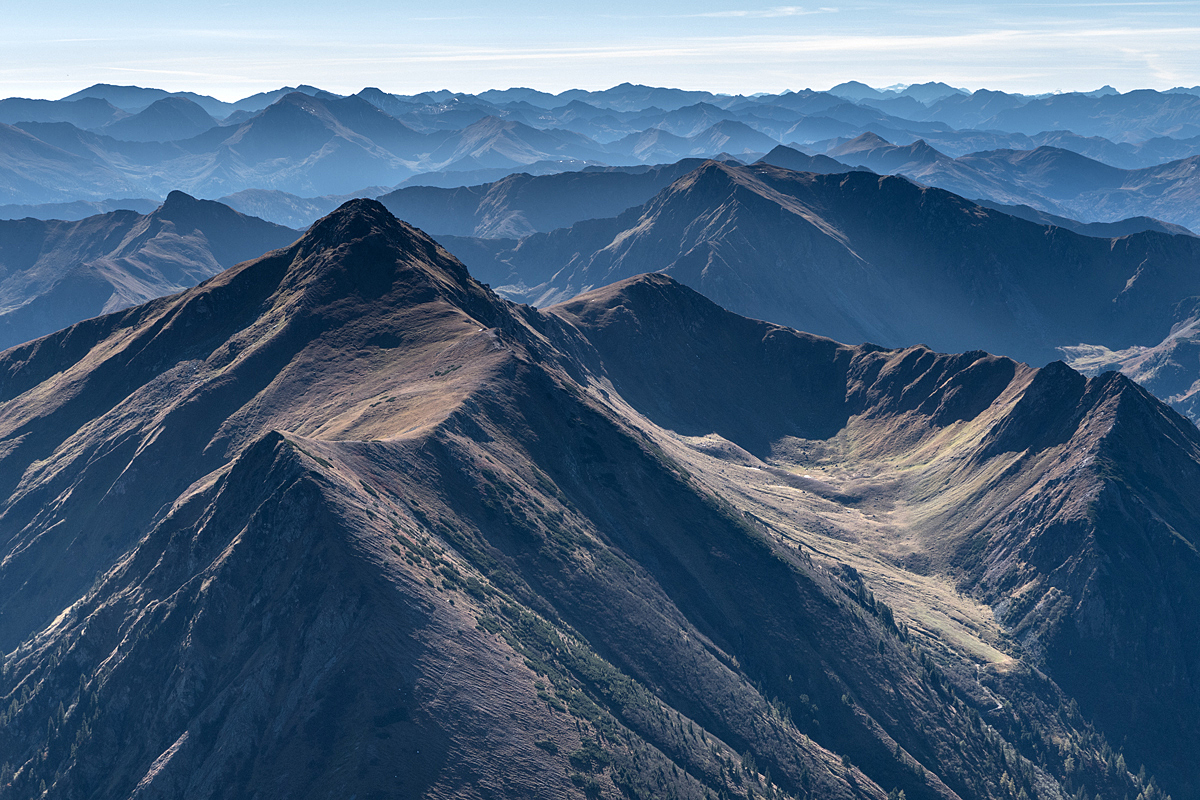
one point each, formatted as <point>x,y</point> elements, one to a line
<point>657,444</point>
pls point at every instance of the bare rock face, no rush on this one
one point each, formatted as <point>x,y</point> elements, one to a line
<point>340,521</point>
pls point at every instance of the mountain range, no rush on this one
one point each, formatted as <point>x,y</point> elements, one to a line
<point>56,273</point>
<point>761,240</point>
<point>341,520</point>
<point>1053,180</point>
<point>521,204</point>
<point>865,258</point>
<point>310,145</point>
<point>543,492</point>
<point>310,142</point>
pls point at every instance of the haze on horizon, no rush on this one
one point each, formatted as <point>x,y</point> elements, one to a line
<point>233,49</point>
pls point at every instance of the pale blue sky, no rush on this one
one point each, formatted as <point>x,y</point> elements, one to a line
<point>231,49</point>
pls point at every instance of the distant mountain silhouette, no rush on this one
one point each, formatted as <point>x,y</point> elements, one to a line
<point>652,145</point>
<point>452,178</point>
<point>82,113</point>
<point>655,145</point>
<point>56,273</point>
<point>344,144</point>
<point>134,99</point>
<point>299,144</point>
<point>492,142</point>
<point>165,120</point>
<point>522,204</point>
<point>32,171</point>
<point>793,159</point>
<point>257,102</point>
<point>78,209</point>
<point>1130,117</point>
<point>1051,179</point>
<point>683,122</point>
<point>1102,230</point>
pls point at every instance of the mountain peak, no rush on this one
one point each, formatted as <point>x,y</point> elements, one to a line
<point>181,207</point>
<point>710,176</point>
<point>178,199</point>
<point>353,219</point>
<point>189,212</point>
<point>865,141</point>
<point>360,249</point>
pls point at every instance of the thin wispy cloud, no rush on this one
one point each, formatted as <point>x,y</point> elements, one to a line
<point>764,13</point>
<point>1136,4</point>
<point>721,45</point>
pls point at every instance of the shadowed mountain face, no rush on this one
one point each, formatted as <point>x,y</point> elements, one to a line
<point>864,258</point>
<point>1100,230</point>
<point>522,204</point>
<point>1130,117</point>
<point>340,520</point>
<point>82,113</point>
<point>55,273</point>
<point>32,171</point>
<point>1170,368</point>
<point>793,159</point>
<point>165,120</point>
<point>1051,179</point>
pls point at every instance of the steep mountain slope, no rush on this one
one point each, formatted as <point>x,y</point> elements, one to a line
<point>339,520</point>
<point>522,204</point>
<point>32,171</point>
<point>1095,192</point>
<point>1103,230</point>
<point>793,159</point>
<point>1032,488</point>
<point>298,144</point>
<point>164,120</point>
<point>55,273</point>
<point>493,142</point>
<point>1051,179</point>
<point>1170,368</point>
<point>864,258</point>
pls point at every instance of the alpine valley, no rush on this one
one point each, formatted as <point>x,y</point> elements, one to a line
<point>626,444</point>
